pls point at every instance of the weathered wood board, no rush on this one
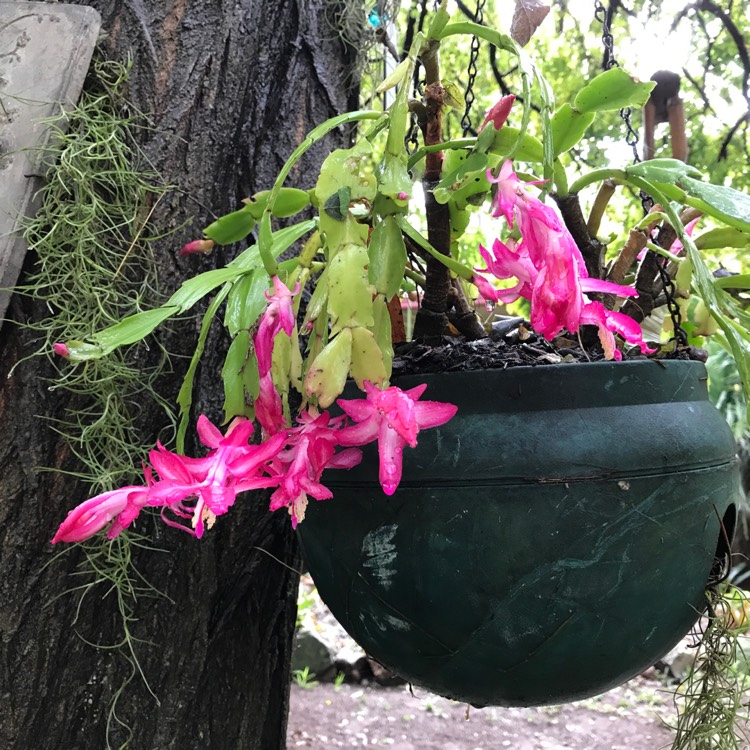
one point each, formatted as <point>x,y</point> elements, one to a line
<point>45,51</point>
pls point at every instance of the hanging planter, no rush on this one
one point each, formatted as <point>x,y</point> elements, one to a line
<point>550,542</point>
<point>552,530</point>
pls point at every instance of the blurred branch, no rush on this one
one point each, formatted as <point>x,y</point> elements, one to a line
<point>701,91</point>
<point>731,28</point>
<point>724,150</point>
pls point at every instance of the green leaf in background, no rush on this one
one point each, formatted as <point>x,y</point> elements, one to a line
<point>387,254</point>
<point>396,76</point>
<point>529,148</point>
<point>185,395</point>
<point>382,331</point>
<point>723,203</point>
<point>246,301</point>
<point>281,240</point>
<point>231,227</point>
<point>719,304</point>
<point>613,89</point>
<point>318,301</point>
<point>662,170</point>
<point>127,331</point>
<point>567,127</point>
<point>460,269</point>
<point>236,403</point>
<point>289,201</point>
<point>199,286</point>
<point>735,281</point>
<point>237,225</point>
<point>722,237</point>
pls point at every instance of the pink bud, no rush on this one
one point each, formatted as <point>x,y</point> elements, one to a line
<point>198,246</point>
<point>498,113</point>
<point>61,349</point>
<point>402,196</point>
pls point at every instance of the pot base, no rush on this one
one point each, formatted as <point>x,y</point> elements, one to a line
<point>495,588</point>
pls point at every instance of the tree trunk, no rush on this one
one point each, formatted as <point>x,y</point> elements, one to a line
<point>231,88</point>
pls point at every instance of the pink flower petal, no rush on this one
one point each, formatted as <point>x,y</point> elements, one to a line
<point>94,514</point>
<point>391,448</point>
<point>434,413</point>
<point>209,434</point>
<point>607,287</point>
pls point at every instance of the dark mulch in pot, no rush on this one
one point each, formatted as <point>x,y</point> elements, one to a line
<point>514,348</point>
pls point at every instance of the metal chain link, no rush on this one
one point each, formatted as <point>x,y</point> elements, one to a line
<point>469,96</point>
<point>411,142</point>
<point>631,135</point>
<point>631,138</point>
<point>680,335</point>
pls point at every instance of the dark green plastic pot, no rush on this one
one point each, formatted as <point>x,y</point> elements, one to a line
<point>551,541</point>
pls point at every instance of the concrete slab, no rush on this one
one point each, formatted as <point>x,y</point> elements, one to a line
<point>45,51</point>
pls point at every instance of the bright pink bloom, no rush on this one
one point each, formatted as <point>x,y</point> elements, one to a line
<point>498,113</point>
<point>310,451</point>
<point>609,321</point>
<point>506,262</point>
<point>269,410</point>
<point>393,417</point>
<point>548,265</point>
<point>92,516</point>
<point>198,489</point>
<point>278,316</point>
<point>212,482</point>
<point>198,246</point>
<point>61,349</point>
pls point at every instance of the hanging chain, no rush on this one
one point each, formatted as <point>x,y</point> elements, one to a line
<point>411,142</point>
<point>631,135</point>
<point>469,96</point>
<point>680,335</point>
<point>631,138</point>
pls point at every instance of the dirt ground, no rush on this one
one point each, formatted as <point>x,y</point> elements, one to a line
<point>633,717</point>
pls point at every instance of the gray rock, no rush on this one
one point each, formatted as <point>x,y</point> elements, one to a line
<point>45,50</point>
<point>311,652</point>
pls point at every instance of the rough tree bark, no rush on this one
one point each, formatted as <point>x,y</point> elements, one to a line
<point>231,88</point>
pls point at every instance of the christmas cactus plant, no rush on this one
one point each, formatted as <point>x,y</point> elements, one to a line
<point>301,327</point>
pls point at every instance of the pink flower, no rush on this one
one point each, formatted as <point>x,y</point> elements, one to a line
<point>92,516</point>
<point>213,482</point>
<point>198,246</point>
<point>61,349</point>
<point>278,316</point>
<point>198,489</point>
<point>505,262</point>
<point>498,113</point>
<point>311,450</point>
<point>549,267</point>
<point>393,417</point>
<point>609,321</point>
<point>269,410</point>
